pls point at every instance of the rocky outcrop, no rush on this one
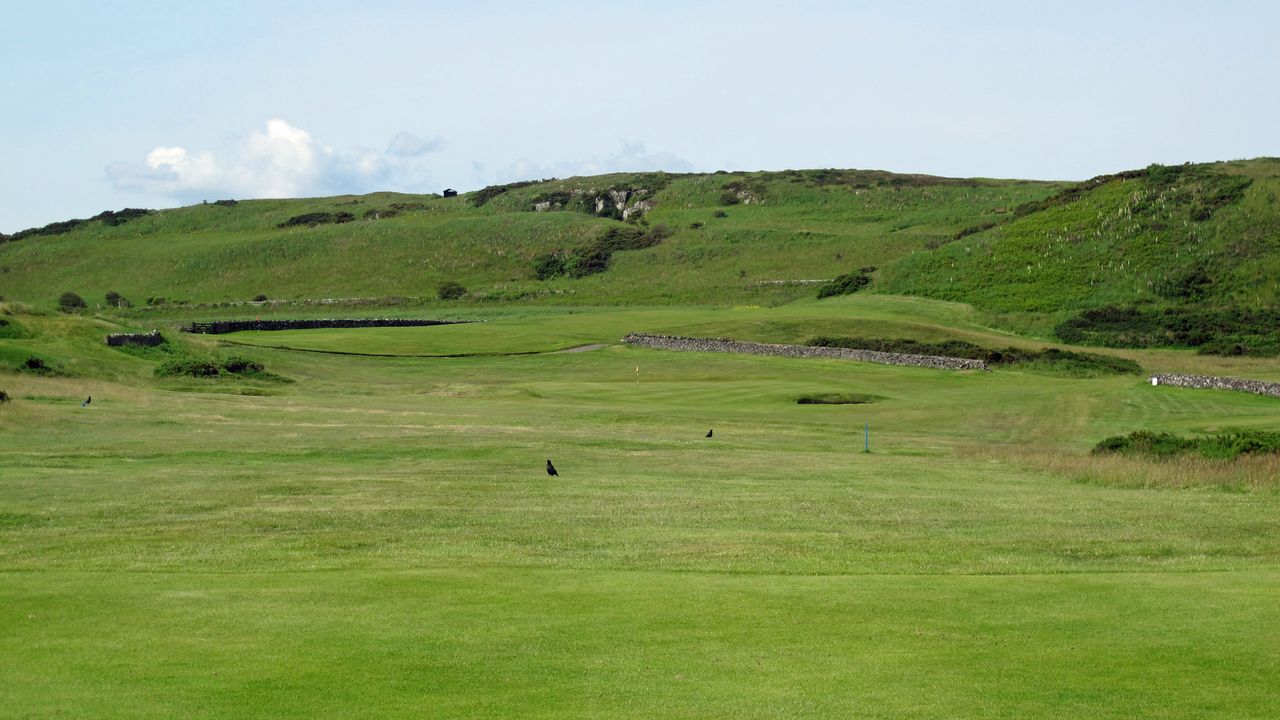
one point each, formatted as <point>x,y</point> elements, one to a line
<point>1208,382</point>
<point>688,344</point>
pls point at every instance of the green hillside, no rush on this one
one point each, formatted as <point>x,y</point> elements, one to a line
<point>732,236</point>
<point>1207,234</point>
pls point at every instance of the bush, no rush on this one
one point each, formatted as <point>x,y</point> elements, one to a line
<point>317,218</point>
<point>226,203</point>
<point>260,297</point>
<point>549,265</point>
<point>1226,446</point>
<point>69,302</point>
<point>4,397</point>
<point>847,283</point>
<point>720,214</point>
<point>188,367</point>
<point>115,299</point>
<point>729,197</point>
<point>450,290</point>
<point>209,368</point>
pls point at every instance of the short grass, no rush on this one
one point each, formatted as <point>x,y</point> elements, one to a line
<point>378,539</point>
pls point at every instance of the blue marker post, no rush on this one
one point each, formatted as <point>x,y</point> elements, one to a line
<point>866,438</point>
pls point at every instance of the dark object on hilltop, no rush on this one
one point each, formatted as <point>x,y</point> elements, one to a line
<point>450,192</point>
<point>107,217</point>
<point>709,432</point>
<point>87,401</point>
<point>226,203</point>
<point>551,470</point>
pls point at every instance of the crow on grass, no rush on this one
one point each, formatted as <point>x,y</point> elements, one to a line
<point>709,432</point>
<point>551,470</point>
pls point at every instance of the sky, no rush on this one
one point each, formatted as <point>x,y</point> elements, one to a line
<point>105,105</point>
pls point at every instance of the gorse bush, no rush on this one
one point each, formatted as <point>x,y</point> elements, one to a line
<point>596,257</point>
<point>317,218</point>
<point>115,299</point>
<point>1213,331</point>
<point>69,301</point>
<point>212,368</point>
<point>847,283</point>
<point>1225,446</point>
<point>450,290</point>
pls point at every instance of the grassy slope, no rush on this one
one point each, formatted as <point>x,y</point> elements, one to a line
<point>213,254</point>
<point>1117,243</point>
<point>378,539</point>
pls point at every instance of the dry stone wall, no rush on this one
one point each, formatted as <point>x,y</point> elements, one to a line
<point>688,344</point>
<point>150,339</point>
<point>1208,382</point>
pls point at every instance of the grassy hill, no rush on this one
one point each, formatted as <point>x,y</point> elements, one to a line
<point>732,236</point>
<point>1192,233</point>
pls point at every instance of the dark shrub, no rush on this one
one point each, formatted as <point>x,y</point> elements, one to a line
<point>450,290</point>
<point>188,367</point>
<point>845,284</point>
<point>729,197</point>
<point>695,226</point>
<point>260,297</point>
<point>4,397</point>
<point>720,214</point>
<point>486,194</point>
<point>69,301</point>
<point>115,299</point>
<point>243,366</point>
<point>226,203</point>
<point>1065,361</point>
<point>317,218</point>
<point>589,261</point>
<point>549,265</point>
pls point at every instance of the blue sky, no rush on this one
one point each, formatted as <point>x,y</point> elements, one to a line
<point>150,104</point>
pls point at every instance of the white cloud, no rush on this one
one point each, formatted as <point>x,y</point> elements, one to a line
<point>406,144</point>
<point>283,161</point>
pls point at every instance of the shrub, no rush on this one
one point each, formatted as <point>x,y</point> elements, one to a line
<point>549,265</point>
<point>1225,446</point>
<point>317,218</point>
<point>450,290</point>
<point>485,194</point>
<point>187,367</point>
<point>260,297</point>
<point>729,197</point>
<point>69,301</point>
<point>226,203</point>
<point>720,214</point>
<point>4,397</point>
<point>695,226</point>
<point>115,299</point>
<point>846,284</point>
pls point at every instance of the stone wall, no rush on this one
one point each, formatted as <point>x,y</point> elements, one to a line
<point>226,326</point>
<point>1207,382</point>
<point>668,342</point>
<point>150,339</point>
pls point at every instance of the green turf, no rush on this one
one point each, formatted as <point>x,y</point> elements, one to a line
<point>378,538</point>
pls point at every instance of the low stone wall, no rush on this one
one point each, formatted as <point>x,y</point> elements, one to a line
<point>150,339</point>
<point>227,326</point>
<point>669,342</point>
<point>1208,382</point>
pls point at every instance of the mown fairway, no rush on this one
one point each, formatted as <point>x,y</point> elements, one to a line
<point>379,539</point>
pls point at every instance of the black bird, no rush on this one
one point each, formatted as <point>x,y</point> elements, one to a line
<point>87,401</point>
<point>709,432</point>
<point>551,470</point>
